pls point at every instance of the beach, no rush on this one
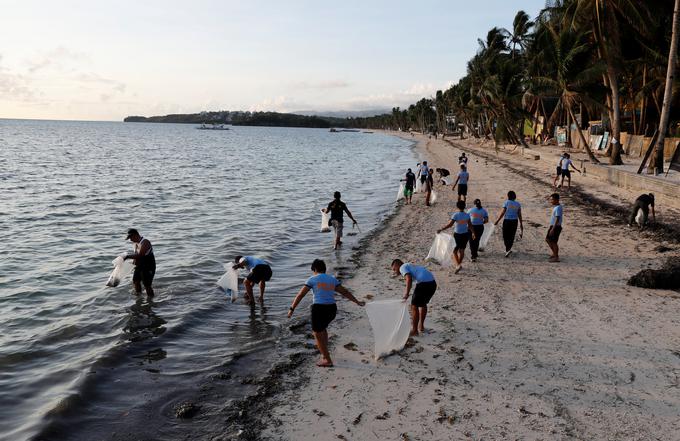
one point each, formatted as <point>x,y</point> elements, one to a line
<point>516,348</point>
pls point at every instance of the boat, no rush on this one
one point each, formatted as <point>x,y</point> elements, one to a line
<point>212,126</point>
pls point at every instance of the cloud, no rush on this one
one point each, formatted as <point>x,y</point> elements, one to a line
<point>13,86</point>
<point>93,78</point>
<point>320,85</point>
<point>59,58</point>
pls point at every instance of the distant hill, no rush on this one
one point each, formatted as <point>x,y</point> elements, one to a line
<point>238,118</point>
<point>344,113</point>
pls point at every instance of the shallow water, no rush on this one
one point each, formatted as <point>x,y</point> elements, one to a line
<point>76,357</point>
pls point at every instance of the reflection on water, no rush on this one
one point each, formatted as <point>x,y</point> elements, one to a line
<point>143,322</point>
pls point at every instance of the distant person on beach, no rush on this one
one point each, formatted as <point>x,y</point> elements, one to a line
<point>429,186</point>
<point>410,180</point>
<point>462,159</point>
<point>145,262</point>
<point>558,172</point>
<point>259,273</point>
<point>643,202</point>
<point>423,172</point>
<point>478,217</point>
<point>462,183</point>
<point>423,292</point>
<point>462,226</point>
<point>566,173</point>
<point>336,208</point>
<point>323,309</point>
<point>511,215</point>
<point>555,228</point>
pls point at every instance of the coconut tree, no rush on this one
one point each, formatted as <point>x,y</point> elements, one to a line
<point>520,34</point>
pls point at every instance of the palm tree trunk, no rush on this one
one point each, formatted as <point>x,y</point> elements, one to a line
<point>583,138</point>
<point>668,92</point>
<point>615,158</point>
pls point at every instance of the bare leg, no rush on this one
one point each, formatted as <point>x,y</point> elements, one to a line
<point>149,290</point>
<point>322,343</point>
<point>262,287</point>
<point>423,314</point>
<point>415,318</point>
<point>249,291</point>
<point>138,286</point>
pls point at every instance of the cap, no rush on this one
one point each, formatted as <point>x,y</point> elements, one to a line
<point>131,232</point>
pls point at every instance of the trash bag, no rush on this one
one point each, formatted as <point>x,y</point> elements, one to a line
<point>433,197</point>
<point>441,249</point>
<point>391,325</point>
<point>639,217</point>
<point>489,228</point>
<point>325,222</point>
<point>446,180</point>
<point>229,282</point>
<point>121,268</point>
<point>419,186</point>
<point>400,193</point>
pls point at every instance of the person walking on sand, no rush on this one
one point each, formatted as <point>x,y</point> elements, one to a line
<point>422,294</point>
<point>566,173</point>
<point>511,215</point>
<point>410,180</point>
<point>462,183</point>
<point>558,172</point>
<point>555,228</point>
<point>423,172</point>
<point>336,207</point>
<point>323,309</point>
<point>259,273</point>
<point>643,202</point>
<point>144,260</point>
<point>429,186</point>
<point>461,233</point>
<point>478,217</point>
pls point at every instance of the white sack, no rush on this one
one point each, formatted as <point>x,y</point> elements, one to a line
<point>325,221</point>
<point>229,281</point>
<point>441,249</point>
<point>419,186</point>
<point>639,217</point>
<point>121,268</point>
<point>400,193</point>
<point>391,325</point>
<point>446,180</point>
<point>433,197</point>
<point>489,228</point>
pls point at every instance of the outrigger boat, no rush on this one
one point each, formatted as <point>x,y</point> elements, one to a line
<point>212,126</point>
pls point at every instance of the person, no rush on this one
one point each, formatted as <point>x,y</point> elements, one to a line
<point>461,233</point>
<point>558,172</point>
<point>511,215</point>
<point>429,186</point>
<point>323,308</point>
<point>422,294</point>
<point>478,217</point>
<point>423,172</point>
<point>462,159</point>
<point>555,228</point>
<point>643,202</point>
<point>462,183</point>
<point>259,273</point>
<point>336,207</point>
<point>410,185</point>
<point>566,173</point>
<point>144,260</point>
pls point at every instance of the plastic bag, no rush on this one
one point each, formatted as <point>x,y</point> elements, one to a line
<point>325,222</point>
<point>419,186</point>
<point>446,180</point>
<point>400,193</point>
<point>639,217</point>
<point>489,228</point>
<point>391,325</point>
<point>121,268</point>
<point>433,197</point>
<point>229,282</point>
<point>441,249</point>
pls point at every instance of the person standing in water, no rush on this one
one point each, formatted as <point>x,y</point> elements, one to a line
<point>462,183</point>
<point>422,294</point>
<point>145,262</point>
<point>410,180</point>
<point>336,207</point>
<point>323,308</point>
<point>478,217</point>
<point>555,228</point>
<point>259,273</point>
<point>511,215</point>
<point>461,233</point>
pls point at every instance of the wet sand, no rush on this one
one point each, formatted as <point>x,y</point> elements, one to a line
<point>517,348</point>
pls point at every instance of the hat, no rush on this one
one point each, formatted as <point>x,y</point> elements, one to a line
<point>132,232</point>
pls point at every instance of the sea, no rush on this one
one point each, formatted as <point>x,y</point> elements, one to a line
<point>83,361</point>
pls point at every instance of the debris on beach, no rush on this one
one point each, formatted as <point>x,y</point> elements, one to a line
<point>186,410</point>
<point>667,277</point>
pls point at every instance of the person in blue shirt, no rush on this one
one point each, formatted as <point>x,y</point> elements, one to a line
<point>462,226</point>
<point>555,227</point>
<point>259,273</point>
<point>323,308</point>
<point>478,217</point>
<point>422,294</point>
<point>511,215</point>
<point>462,183</point>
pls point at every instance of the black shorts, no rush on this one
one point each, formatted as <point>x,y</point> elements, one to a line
<point>566,173</point>
<point>462,189</point>
<point>559,171</point>
<point>461,240</point>
<point>144,274</point>
<point>423,179</point>
<point>555,236</point>
<point>322,316</point>
<point>423,293</point>
<point>260,273</point>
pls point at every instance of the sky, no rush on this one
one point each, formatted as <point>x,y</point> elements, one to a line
<point>104,60</point>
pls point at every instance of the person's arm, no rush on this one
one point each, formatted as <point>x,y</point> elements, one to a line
<point>471,230</point>
<point>455,183</point>
<point>298,298</point>
<point>501,216</point>
<point>349,214</point>
<point>446,227</point>
<point>348,295</point>
<point>574,167</point>
<point>653,214</point>
<point>521,224</point>
<point>409,282</point>
<point>486,219</point>
<point>141,252</point>
<point>239,265</point>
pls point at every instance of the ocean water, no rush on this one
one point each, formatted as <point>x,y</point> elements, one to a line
<point>82,361</point>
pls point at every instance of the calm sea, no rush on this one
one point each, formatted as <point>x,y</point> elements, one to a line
<point>82,361</point>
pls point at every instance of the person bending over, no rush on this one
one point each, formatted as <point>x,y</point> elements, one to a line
<point>145,262</point>
<point>643,202</point>
<point>423,292</point>
<point>259,273</point>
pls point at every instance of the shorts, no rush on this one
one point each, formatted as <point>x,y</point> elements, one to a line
<point>423,178</point>
<point>408,192</point>
<point>260,273</point>
<point>423,293</point>
<point>555,236</point>
<point>322,316</point>
<point>462,189</point>
<point>566,173</point>
<point>461,240</point>
<point>144,274</point>
<point>559,171</point>
<point>337,226</point>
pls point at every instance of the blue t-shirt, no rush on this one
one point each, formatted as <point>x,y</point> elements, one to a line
<point>556,212</point>
<point>512,209</point>
<point>323,286</point>
<point>424,170</point>
<point>463,177</point>
<point>477,215</point>
<point>461,218</point>
<point>419,273</point>
<point>251,262</point>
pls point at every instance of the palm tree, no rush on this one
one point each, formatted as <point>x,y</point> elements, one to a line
<point>520,35</point>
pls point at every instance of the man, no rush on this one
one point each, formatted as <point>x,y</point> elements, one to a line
<point>410,185</point>
<point>462,159</point>
<point>423,292</point>
<point>423,172</point>
<point>336,207</point>
<point>462,183</point>
<point>558,172</point>
<point>259,273</point>
<point>555,227</point>
<point>643,202</point>
<point>144,260</point>
<point>566,173</point>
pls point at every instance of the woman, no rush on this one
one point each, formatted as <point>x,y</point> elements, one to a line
<point>511,215</point>
<point>461,233</point>
<point>429,186</point>
<point>478,217</point>
<point>324,309</point>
